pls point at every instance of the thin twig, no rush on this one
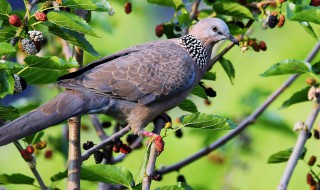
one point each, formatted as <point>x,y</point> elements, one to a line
<point>105,142</point>
<point>193,15</point>
<point>32,166</point>
<point>146,183</point>
<point>97,126</point>
<point>295,155</point>
<point>244,124</point>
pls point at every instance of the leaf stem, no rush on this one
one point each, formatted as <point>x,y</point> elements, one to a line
<point>21,71</point>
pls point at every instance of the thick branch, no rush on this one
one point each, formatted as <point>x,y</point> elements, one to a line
<point>105,142</point>
<point>244,124</point>
<point>295,155</point>
<point>146,183</point>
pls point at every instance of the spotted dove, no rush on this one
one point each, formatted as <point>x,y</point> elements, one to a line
<point>134,85</point>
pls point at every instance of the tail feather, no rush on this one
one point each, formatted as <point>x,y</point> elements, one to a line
<point>65,105</point>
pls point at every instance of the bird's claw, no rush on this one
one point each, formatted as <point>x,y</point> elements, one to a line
<point>157,139</point>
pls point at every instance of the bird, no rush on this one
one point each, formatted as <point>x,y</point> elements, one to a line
<point>134,85</point>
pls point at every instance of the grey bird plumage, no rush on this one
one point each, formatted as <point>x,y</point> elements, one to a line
<point>134,85</point>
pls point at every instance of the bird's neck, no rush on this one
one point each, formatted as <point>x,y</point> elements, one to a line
<point>196,50</point>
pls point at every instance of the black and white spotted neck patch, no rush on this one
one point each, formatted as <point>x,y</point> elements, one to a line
<point>195,49</point>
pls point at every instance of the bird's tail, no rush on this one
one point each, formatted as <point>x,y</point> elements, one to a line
<point>65,105</point>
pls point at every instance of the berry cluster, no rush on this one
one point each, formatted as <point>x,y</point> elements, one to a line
<point>27,153</point>
<point>254,44</point>
<point>14,20</point>
<point>128,7</point>
<point>98,155</point>
<point>119,146</point>
<point>312,177</point>
<point>159,30</point>
<point>273,19</point>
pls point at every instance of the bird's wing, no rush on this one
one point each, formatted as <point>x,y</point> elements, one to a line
<point>147,75</point>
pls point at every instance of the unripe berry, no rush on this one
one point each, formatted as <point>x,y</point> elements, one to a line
<point>255,47</point>
<point>30,149</point>
<point>312,160</point>
<point>262,46</point>
<point>311,81</point>
<point>281,21</point>
<point>128,7</point>
<point>159,30</point>
<point>14,20</point>
<point>40,145</point>
<point>40,16</point>
<point>48,154</point>
<point>125,149</point>
<point>59,2</point>
<point>310,180</point>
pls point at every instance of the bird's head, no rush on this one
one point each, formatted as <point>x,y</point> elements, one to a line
<point>212,30</point>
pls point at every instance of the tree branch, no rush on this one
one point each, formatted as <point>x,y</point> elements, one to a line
<point>244,124</point>
<point>146,183</point>
<point>295,155</point>
<point>105,142</point>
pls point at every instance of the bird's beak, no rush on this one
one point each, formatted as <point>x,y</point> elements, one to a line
<point>232,39</point>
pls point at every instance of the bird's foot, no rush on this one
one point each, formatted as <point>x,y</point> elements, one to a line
<point>157,139</point>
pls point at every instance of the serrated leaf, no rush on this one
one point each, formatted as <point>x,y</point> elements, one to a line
<point>34,138</point>
<point>5,7</point>
<point>303,13</point>
<point>70,21</point>
<point>308,28</point>
<point>170,187</point>
<point>91,5</point>
<point>206,121</point>
<point>209,76</point>
<point>200,92</point>
<point>188,105</point>
<point>74,38</point>
<point>42,70</point>
<point>288,66</point>
<point>102,173</point>
<point>6,84</point>
<point>232,9</point>
<point>8,65</point>
<point>284,155</point>
<point>16,179</point>
<point>6,48</point>
<point>8,112</point>
<point>6,33</point>
<point>228,68</point>
<point>297,97</point>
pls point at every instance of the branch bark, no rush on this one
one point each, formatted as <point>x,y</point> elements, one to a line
<point>146,183</point>
<point>243,124</point>
<point>301,141</point>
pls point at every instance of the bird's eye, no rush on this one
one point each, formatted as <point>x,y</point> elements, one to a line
<point>215,29</point>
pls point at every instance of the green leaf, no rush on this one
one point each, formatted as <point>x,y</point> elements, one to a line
<point>288,66</point>
<point>91,5</point>
<point>70,21</point>
<point>232,9</point>
<point>176,4</point>
<point>303,13</point>
<point>42,70</point>
<point>184,18</point>
<point>300,96</point>
<point>228,68</point>
<point>308,28</point>
<point>5,7</point>
<point>200,92</point>
<point>284,156</point>
<point>34,138</point>
<point>6,84</point>
<point>6,33</point>
<point>102,173</point>
<point>316,68</point>
<point>74,38</point>
<point>8,65</point>
<point>209,76</point>
<point>206,121</point>
<point>8,113</point>
<point>170,187</point>
<point>16,179</point>
<point>6,48</point>
<point>188,105</point>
